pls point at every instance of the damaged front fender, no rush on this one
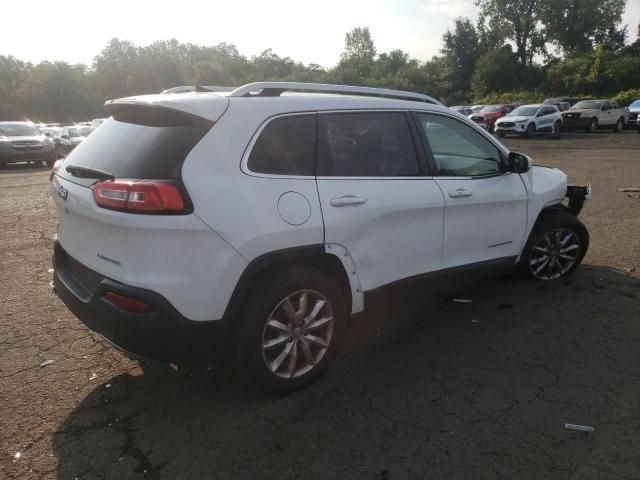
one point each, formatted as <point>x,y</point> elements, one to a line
<point>577,195</point>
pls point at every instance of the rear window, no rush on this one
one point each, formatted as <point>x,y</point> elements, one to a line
<point>141,142</point>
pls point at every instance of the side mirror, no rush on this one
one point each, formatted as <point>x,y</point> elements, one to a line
<point>518,162</point>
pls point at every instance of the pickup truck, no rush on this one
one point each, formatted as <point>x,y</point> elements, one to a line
<point>591,115</point>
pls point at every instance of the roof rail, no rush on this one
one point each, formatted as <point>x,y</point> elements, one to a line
<point>274,89</point>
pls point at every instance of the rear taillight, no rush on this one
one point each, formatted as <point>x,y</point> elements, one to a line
<point>125,303</point>
<point>54,169</point>
<point>143,196</point>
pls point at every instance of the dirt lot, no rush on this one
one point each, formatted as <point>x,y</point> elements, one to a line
<point>426,389</point>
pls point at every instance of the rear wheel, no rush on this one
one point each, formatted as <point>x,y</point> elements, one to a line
<point>556,246</point>
<point>289,331</point>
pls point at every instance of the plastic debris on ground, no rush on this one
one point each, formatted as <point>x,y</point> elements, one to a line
<point>629,189</point>
<point>93,376</point>
<point>17,456</point>
<point>462,300</point>
<point>174,366</point>
<point>475,321</point>
<point>47,362</point>
<point>580,428</point>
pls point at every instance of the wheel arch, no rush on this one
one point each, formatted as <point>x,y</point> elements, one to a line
<point>316,256</point>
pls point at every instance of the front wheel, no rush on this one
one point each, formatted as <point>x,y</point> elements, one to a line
<point>593,126</point>
<point>531,130</point>
<point>289,331</point>
<point>556,246</point>
<point>619,126</point>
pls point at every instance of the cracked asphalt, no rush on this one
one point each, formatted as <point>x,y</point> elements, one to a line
<point>424,388</point>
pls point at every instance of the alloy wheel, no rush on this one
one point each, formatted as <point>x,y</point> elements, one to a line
<point>297,334</point>
<point>554,254</point>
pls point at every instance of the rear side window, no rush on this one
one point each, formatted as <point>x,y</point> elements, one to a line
<point>371,144</point>
<point>141,142</point>
<point>286,146</point>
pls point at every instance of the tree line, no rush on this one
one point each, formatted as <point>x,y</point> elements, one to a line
<point>517,50</point>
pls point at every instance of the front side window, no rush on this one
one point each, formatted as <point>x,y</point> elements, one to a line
<point>286,146</point>
<point>366,144</point>
<point>457,149</point>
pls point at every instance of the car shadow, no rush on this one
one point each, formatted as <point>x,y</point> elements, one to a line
<point>23,167</point>
<point>462,380</point>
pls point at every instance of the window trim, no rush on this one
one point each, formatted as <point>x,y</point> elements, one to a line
<point>424,170</point>
<point>244,162</point>
<point>429,154</point>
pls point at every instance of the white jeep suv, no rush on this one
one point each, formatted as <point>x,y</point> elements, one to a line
<point>263,217</point>
<point>528,120</point>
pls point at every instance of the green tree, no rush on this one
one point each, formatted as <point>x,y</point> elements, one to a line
<point>498,71</point>
<point>577,25</point>
<point>461,49</point>
<point>518,21</point>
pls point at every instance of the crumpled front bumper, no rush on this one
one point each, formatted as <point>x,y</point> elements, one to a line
<point>577,196</point>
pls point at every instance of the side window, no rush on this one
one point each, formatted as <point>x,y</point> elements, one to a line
<point>606,106</point>
<point>286,146</point>
<point>457,149</point>
<point>365,144</point>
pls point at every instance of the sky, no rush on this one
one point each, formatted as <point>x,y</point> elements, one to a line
<point>310,32</point>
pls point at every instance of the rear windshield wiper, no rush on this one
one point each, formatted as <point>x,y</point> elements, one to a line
<point>86,172</point>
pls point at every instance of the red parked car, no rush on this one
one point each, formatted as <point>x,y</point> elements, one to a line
<point>488,115</point>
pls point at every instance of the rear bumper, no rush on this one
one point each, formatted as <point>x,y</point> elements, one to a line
<point>160,334</point>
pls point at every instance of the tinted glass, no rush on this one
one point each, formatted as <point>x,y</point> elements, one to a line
<point>524,111</point>
<point>635,104</point>
<point>141,142</point>
<point>588,104</point>
<point>18,130</point>
<point>286,146</point>
<point>374,144</point>
<point>458,150</point>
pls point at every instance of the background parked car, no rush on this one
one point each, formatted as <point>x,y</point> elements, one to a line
<point>529,120</point>
<point>634,110</point>
<point>570,100</point>
<point>562,106</point>
<point>488,115</point>
<point>464,110</point>
<point>476,108</point>
<point>594,114</point>
<point>50,131</point>
<point>69,138</point>
<point>22,141</point>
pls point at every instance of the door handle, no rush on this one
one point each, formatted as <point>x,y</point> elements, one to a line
<point>460,193</point>
<point>347,200</point>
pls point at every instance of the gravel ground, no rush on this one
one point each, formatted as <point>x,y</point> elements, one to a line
<point>424,389</point>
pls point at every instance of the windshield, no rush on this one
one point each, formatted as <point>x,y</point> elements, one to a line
<point>19,130</point>
<point>590,104</point>
<point>635,104</point>
<point>80,131</point>
<point>524,112</point>
<point>492,109</point>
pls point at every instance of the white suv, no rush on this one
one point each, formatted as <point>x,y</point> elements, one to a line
<point>264,216</point>
<point>530,119</point>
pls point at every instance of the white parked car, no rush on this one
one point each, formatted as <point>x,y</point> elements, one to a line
<point>265,219</point>
<point>592,115</point>
<point>529,120</point>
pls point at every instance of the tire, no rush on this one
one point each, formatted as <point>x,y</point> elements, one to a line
<point>531,130</point>
<point>619,126</point>
<point>501,135</point>
<point>256,363</point>
<point>557,129</point>
<point>593,126</point>
<point>556,246</point>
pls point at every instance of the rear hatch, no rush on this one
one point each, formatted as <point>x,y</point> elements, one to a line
<point>143,237</point>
